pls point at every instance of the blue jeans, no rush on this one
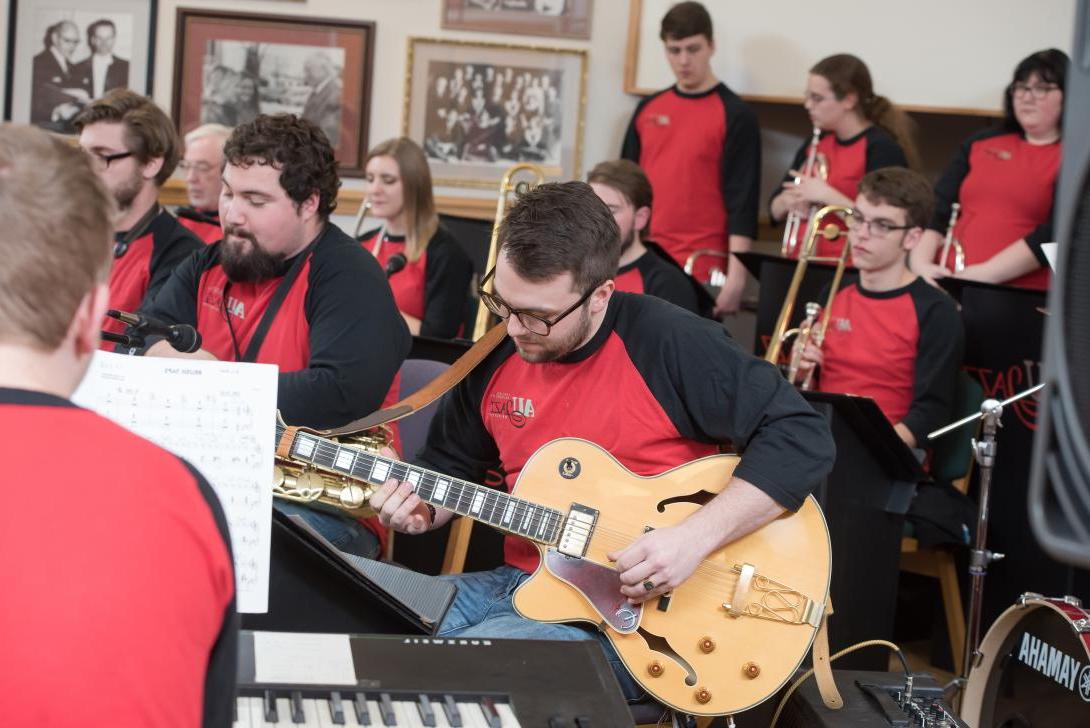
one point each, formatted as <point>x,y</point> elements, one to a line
<point>346,534</point>
<point>483,609</point>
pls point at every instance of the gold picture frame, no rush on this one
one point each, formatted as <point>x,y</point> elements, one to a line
<point>477,108</point>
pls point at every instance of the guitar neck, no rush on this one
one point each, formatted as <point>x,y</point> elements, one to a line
<point>487,505</point>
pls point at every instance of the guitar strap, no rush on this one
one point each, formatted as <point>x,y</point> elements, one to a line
<point>823,671</point>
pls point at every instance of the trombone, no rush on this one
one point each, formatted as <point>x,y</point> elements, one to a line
<point>951,242</point>
<point>811,329</point>
<point>365,208</point>
<point>815,166</point>
<point>485,318</point>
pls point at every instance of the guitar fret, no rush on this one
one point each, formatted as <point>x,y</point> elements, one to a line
<point>380,472</point>
<point>304,445</point>
<point>476,503</point>
<point>344,460</point>
<point>413,476</point>
<point>491,502</point>
<point>441,486</point>
<point>526,519</point>
<point>508,511</point>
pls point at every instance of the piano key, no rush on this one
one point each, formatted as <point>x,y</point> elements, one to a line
<point>257,713</point>
<point>507,715</point>
<point>376,715</point>
<point>472,717</point>
<point>283,713</point>
<point>405,715</point>
<point>310,712</point>
<point>297,707</point>
<point>269,702</point>
<point>350,712</point>
<point>427,715</point>
<point>360,709</point>
<point>335,708</point>
<point>488,708</point>
<point>386,710</point>
<point>242,713</point>
<point>454,716</point>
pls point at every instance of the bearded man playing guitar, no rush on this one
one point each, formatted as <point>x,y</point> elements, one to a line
<point>656,387</point>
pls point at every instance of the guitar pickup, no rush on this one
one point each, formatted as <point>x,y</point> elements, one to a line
<point>578,527</point>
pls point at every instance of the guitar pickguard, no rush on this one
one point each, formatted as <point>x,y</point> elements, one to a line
<point>600,585</point>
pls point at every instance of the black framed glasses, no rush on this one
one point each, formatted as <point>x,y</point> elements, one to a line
<point>530,321</point>
<point>103,161</point>
<point>878,227</point>
<point>1037,90</point>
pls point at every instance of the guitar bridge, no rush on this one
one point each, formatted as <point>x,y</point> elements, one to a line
<point>761,597</point>
<point>578,527</point>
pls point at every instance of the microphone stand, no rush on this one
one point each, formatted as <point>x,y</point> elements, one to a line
<point>984,452</point>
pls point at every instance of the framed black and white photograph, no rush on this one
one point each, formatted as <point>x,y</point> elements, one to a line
<point>555,18</point>
<point>478,108</point>
<point>65,53</point>
<point>230,67</point>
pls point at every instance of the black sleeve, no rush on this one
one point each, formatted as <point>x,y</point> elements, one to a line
<point>446,286</point>
<point>713,391</point>
<point>172,244</point>
<point>630,147</point>
<point>796,163</point>
<point>670,283</point>
<point>357,339</point>
<point>741,172</point>
<point>1043,233</point>
<point>938,358</point>
<point>222,673</point>
<point>176,302</point>
<point>458,443</point>
<point>883,151</point>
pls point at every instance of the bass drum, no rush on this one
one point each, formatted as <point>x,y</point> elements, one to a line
<point>1035,671</point>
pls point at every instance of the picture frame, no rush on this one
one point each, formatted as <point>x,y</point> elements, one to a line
<point>52,73</point>
<point>229,67</point>
<point>478,108</point>
<point>554,18</point>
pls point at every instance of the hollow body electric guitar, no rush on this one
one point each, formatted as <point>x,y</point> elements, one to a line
<point>723,641</point>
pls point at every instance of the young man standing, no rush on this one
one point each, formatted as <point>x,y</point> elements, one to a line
<point>119,589</point>
<point>203,168</point>
<point>133,147</point>
<point>892,337</point>
<point>700,146</point>
<point>644,267</point>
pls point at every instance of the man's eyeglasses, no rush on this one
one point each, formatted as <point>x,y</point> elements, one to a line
<point>879,227</point>
<point>198,167</point>
<point>1037,91</point>
<point>530,321</point>
<point>103,161</point>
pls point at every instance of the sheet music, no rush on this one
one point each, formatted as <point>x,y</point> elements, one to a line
<point>220,416</point>
<point>303,659</point>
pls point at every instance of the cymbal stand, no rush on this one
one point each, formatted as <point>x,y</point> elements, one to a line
<point>984,452</point>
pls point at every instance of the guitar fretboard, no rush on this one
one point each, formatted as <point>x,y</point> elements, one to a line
<point>503,511</point>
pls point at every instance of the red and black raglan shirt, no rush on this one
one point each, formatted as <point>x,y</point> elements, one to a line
<point>655,386</point>
<point>337,337</point>
<point>145,266</point>
<point>702,153</point>
<point>432,288</point>
<point>657,274</point>
<point>848,160</point>
<point>119,588</point>
<point>902,348</point>
<point>1006,187</point>
<point>205,224</point>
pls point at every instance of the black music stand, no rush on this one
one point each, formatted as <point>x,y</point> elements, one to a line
<point>774,273</point>
<point>1004,331</point>
<point>865,499</point>
<point>315,588</point>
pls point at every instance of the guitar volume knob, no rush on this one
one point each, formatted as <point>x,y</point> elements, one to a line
<point>703,696</point>
<point>707,645</point>
<point>655,669</point>
<point>751,670</point>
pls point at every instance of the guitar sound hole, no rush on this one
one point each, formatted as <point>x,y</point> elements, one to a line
<point>700,498</point>
<point>661,646</point>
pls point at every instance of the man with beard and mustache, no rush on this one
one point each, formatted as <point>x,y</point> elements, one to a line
<point>644,266</point>
<point>287,287</point>
<point>653,384</point>
<point>133,147</point>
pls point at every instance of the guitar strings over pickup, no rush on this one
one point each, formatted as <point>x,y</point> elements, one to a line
<point>578,527</point>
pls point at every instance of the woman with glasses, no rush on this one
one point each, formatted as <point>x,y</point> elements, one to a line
<point>860,131</point>
<point>1004,180</point>
<point>428,271</point>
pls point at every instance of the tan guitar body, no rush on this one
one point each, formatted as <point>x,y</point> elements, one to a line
<point>694,656</point>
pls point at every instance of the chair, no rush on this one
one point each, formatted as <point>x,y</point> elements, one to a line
<point>952,459</point>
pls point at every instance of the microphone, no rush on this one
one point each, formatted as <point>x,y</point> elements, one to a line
<point>182,337</point>
<point>395,263</point>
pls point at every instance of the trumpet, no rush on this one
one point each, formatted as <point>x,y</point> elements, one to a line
<point>951,242</point>
<point>485,318</point>
<point>365,208</point>
<point>812,329</point>
<point>815,166</point>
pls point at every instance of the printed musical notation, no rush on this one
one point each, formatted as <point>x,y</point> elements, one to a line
<point>220,416</point>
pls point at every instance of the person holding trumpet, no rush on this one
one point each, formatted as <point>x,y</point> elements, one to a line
<point>891,336</point>
<point>855,131</point>
<point>1004,181</point>
<point>428,271</point>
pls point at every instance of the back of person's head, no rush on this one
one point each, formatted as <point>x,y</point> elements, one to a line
<point>205,131</point>
<point>421,219</point>
<point>847,74</point>
<point>903,188</point>
<point>149,132</point>
<point>684,20</point>
<point>1050,66</point>
<point>56,239</point>
<point>298,148</point>
<point>558,228</point>
<point>626,177</point>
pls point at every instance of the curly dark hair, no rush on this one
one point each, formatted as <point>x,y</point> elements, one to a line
<point>296,147</point>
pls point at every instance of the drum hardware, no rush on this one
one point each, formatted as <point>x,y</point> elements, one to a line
<point>984,452</point>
